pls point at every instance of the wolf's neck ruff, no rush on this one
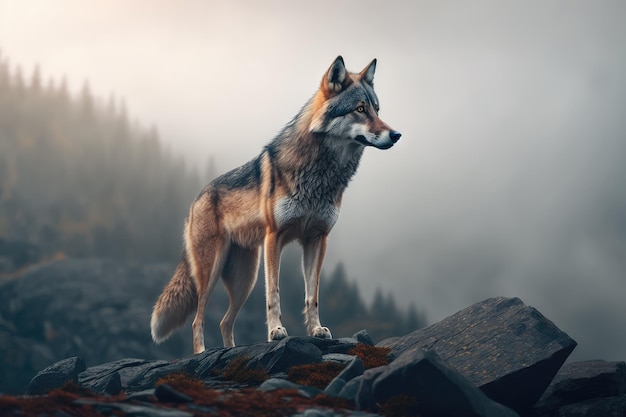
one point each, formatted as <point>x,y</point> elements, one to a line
<point>291,191</point>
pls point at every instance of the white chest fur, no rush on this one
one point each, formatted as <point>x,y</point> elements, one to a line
<point>288,210</point>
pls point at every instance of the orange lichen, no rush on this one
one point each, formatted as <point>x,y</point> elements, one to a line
<point>35,406</point>
<point>190,386</point>
<point>237,370</point>
<point>73,388</point>
<point>206,402</point>
<point>332,402</point>
<point>371,356</point>
<point>181,381</point>
<point>316,375</point>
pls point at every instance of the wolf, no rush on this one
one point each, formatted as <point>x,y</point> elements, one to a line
<point>291,191</point>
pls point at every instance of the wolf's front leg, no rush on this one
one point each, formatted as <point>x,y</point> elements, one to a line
<point>312,258</point>
<point>275,329</point>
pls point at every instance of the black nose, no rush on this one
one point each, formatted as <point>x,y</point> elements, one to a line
<point>395,136</point>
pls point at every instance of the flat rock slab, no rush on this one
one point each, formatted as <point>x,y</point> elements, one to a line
<point>509,350</point>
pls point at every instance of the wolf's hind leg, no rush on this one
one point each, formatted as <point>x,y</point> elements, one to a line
<point>206,247</point>
<point>207,271</point>
<point>239,275</point>
<point>313,250</point>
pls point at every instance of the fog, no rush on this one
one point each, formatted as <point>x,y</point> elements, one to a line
<point>508,179</point>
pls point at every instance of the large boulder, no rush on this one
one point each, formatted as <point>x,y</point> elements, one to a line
<point>56,375</point>
<point>438,388</point>
<point>509,350</point>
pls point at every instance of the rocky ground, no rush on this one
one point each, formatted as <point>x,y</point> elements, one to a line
<point>65,325</point>
<point>495,358</point>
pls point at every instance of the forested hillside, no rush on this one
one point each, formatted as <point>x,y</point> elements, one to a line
<point>78,177</point>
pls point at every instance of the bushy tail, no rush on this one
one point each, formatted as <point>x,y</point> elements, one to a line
<point>175,304</point>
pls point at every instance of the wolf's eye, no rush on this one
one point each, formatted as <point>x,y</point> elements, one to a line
<point>360,109</point>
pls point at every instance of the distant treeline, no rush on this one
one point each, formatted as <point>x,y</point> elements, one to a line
<point>78,178</point>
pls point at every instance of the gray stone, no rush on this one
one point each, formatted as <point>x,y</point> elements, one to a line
<point>317,412</point>
<point>141,396</point>
<point>209,360</point>
<point>341,358</point>
<point>147,380</point>
<point>355,368</point>
<point>363,337</point>
<point>437,388</point>
<point>580,381</point>
<point>604,407</point>
<point>273,384</point>
<point>56,375</point>
<point>165,393</point>
<point>104,377</point>
<point>509,350</point>
<point>131,374</point>
<point>277,356</point>
<point>108,384</point>
<point>98,308</point>
<point>350,390</point>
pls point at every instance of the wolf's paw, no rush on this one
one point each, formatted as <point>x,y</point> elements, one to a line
<point>322,333</point>
<point>278,333</point>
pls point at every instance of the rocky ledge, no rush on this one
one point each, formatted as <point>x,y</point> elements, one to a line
<point>495,358</point>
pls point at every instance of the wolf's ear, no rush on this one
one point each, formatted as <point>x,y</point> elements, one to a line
<point>367,74</point>
<point>336,78</point>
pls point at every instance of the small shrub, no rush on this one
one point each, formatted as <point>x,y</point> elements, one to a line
<point>316,375</point>
<point>238,371</point>
<point>371,356</point>
<point>182,382</point>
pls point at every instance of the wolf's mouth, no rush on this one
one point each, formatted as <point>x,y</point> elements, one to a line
<point>385,145</point>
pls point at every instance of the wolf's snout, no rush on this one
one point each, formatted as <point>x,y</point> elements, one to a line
<point>395,136</point>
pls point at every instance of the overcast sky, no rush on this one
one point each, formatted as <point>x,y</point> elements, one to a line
<point>508,179</point>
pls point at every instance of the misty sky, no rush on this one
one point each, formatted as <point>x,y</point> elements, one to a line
<point>508,179</point>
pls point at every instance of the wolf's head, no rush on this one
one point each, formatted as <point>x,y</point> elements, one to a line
<point>346,107</point>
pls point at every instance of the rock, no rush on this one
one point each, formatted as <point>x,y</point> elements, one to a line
<point>147,379</point>
<point>351,389</point>
<point>209,360</point>
<point>509,350</point>
<point>341,358</point>
<point>167,394</point>
<point>437,388</point>
<point>363,337</point>
<point>605,407</point>
<point>274,357</point>
<point>97,308</point>
<point>104,377</point>
<point>273,384</point>
<point>355,368</point>
<point>142,396</point>
<point>499,343</point>
<point>110,383</point>
<point>56,375</point>
<point>581,381</point>
<point>291,351</point>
